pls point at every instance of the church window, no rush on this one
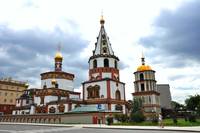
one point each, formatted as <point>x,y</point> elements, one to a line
<point>118,107</point>
<point>44,86</point>
<point>104,50</point>
<point>115,64</point>
<point>142,87</point>
<point>27,101</point>
<point>95,64</point>
<point>56,85</point>
<point>117,95</point>
<point>93,91</point>
<point>106,63</point>
<point>141,76</point>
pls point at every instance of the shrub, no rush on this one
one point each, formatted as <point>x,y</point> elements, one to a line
<point>192,118</point>
<point>154,120</point>
<point>109,120</point>
<point>137,117</point>
<point>121,117</point>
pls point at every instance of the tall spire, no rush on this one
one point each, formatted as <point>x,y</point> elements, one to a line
<point>143,59</point>
<point>102,21</point>
<point>103,46</point>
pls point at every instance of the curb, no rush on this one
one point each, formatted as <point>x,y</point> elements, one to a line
<point>149,129</point>
<point>38,124</point>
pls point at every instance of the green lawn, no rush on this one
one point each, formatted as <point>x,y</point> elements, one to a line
<point>167,122</point>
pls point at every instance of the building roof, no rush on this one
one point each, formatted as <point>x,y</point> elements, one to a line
<point>103,46</point>
<point>86,109</point>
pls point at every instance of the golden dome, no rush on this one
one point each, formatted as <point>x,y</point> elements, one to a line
<point>144,68</point>
<point>26,85</point>
<point>58,56</point>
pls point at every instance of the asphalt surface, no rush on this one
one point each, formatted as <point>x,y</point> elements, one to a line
<point>50,129</point>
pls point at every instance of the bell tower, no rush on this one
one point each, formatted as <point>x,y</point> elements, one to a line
<point>104,86</point>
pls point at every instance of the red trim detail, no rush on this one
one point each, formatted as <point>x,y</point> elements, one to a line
<point>108,89</point>
<point>109,106</point>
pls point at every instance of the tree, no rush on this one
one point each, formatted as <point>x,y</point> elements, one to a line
<point>193,103</point>
<point>176,106</point>
<point>136,111</point>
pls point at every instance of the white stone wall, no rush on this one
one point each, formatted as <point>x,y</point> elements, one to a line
<point>100,62</point>
<point>114,88</point>
<point>62,84</point>
<point>66,107</point>
<point>48,99</point>
<point>37,100</point>
<point>73,96</point>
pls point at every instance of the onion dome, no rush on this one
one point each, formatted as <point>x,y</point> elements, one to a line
<point>26,85</point>
<point>102,21</point>
<point>58,56</point>
<point>143,67</point>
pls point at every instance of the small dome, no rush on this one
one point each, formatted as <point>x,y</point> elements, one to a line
<point>144,68</point>
<point>58,56</point>
<point>53,81</point>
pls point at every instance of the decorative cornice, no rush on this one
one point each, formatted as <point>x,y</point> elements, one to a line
<point>104,79</point>
<point>145,93</point>
<point>103,55</point>
<point>57,75</point>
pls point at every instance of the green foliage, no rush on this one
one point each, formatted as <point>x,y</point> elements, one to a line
<point>109,120</point>
<point>121,117</point>
<point>136,112</point>
<point>176,106</point>
<point>137,117</point>
<point>193,103</point>
<point>167,122</point>
<point>192,118</point>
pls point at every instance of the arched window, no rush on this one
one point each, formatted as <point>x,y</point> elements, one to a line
<point>141,76</point>
<point>56,85</point>
<point>95,64</point>
<point>117,95</point>
<point>106,63</point>
<point>93,91</point>
<point>142,87</point>
<point>104,50</point>
<point>115,64</point>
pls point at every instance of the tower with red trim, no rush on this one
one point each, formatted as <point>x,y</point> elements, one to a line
<point>146,90</point>
<point>104,88</point>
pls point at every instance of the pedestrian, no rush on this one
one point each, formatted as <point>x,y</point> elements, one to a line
<point>160,119</point>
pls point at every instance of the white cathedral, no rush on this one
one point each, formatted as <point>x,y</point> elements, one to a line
<point>102,91</point>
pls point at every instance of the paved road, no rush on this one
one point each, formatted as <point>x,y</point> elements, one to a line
<point>48,129</point>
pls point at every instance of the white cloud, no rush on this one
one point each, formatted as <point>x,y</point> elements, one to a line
<point>126,22</point>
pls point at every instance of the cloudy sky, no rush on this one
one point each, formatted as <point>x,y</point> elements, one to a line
<point>166,30</point>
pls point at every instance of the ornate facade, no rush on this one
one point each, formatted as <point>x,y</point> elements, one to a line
<point>104,87</point>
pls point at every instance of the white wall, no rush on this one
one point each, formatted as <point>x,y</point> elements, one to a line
<point>48,99</point>
<point>114,88</point>
<point>62,84</point>
<point>100,62</point>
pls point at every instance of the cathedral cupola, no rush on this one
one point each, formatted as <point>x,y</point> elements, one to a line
<point>143,67</point>
<point>58,61</point>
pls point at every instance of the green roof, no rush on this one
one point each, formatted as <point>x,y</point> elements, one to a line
<point>86,109</point>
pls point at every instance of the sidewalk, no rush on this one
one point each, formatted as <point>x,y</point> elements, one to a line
<point>102,126</point>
